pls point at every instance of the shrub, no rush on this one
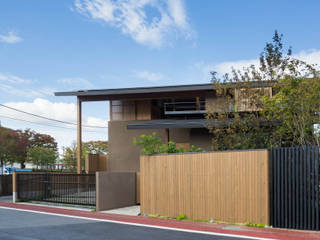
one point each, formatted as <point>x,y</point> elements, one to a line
<point>181,217</point>
<point>250,224</point>
<point>194,149</point>
<point>152,144</point>
<point>172,148</point>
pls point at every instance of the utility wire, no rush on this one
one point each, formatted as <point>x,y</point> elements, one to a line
<point>44,124</point>
<point>47,118</point>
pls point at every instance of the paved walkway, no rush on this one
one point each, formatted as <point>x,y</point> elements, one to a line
<point>186,226</point>
<point>131,211</point>
<point>6,198</point>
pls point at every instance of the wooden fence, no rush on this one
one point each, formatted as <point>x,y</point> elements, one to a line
<point>225,186</point>
<point>96,163</point>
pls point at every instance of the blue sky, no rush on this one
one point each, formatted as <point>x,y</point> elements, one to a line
<point>48,46</point>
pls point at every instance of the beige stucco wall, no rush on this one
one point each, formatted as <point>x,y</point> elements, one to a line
<point>179,135</point>
<point>124,156</point>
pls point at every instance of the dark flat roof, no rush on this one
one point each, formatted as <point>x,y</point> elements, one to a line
<point>138,90</point>
<point>150,92</point>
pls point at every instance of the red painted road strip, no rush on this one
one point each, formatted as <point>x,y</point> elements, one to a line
<point>183,225</point>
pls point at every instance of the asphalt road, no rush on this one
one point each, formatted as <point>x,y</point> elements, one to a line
<point>18,225</point>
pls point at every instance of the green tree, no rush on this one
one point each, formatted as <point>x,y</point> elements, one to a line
<point>39,140</point>
<point>20,151</point>
<point>96,147</point>
<point>29,139</point>
<point>69,157</point>
<point>296,105</point>
<point>15,144</point>
<point>285,119</point>
<point>42,157</point>
<point>152,144</point>
<point>7,146</point>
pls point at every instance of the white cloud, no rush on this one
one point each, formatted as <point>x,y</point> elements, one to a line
<point>56,110</point>
<point>22,87</point>
<point>94,121</point>
<point>43,107</point>
<point>76,83</point>
<point>131,17</point>
<point>11,37</point>
<point>310,56</point>
<point>226,67</point>
<point>10,78</point>
<point>20,91</point>
<point>149,76</point>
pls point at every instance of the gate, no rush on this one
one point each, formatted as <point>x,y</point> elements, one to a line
<point>5,185</point>
<point>294,187</point>
<point>78,189</point>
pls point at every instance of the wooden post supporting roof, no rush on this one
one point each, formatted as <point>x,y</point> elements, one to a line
<point>79,136</point>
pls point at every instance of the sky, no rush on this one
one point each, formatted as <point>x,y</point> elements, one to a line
<point>62,45</point>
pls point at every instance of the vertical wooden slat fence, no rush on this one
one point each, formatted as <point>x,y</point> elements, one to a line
<point>226,186</point>
<point>294,187</point>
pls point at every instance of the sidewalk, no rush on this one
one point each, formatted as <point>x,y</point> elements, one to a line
<point>268,233</point>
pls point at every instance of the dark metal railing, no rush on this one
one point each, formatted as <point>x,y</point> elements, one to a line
<point>5,185</point>
<point>294,188</point>
<point>77,189</point>
<point>185,107</point>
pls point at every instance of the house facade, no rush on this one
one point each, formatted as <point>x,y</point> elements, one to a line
<point>175,113</point>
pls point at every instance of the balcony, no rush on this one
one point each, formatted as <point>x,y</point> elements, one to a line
<point>186,108</point>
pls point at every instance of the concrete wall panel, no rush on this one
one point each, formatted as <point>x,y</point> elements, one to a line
<point>115,190</point>
<point>124,156</point>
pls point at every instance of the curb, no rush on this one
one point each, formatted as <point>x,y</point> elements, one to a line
<point>186,226</point>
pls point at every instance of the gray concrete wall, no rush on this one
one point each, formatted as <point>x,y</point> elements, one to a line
<point>115,190</point>
<point>123,155</point>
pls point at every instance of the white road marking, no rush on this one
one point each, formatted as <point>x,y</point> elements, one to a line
<point>140,224</point>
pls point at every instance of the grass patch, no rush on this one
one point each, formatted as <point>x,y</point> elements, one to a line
<point>200,220</point>
<point>181,217</point>
<point>250,224</point>
<point>184,217</point>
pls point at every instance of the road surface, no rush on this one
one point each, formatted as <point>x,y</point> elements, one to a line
<point>21,225</point>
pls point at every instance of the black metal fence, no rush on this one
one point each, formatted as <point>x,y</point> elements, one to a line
<point>294,187</point>
<point>78,189</point>
<point>5,185</point>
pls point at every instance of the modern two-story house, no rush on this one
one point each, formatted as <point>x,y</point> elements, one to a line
<point>175,113</point>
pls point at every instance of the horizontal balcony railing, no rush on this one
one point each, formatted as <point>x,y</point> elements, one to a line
<point>174,108</point>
